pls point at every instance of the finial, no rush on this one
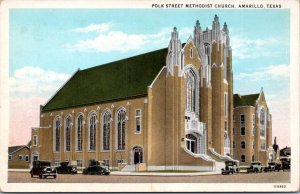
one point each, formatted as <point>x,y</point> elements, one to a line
<point>216,17</point>
<point>261,89</point>
<point>174,29</point>
<point>197,23</point>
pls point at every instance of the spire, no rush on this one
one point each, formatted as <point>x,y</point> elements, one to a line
<point>197,24</point>
<point>216,28</point>
<point>174,34</point>
<point>225,29</point>
<point>198,37</point>
<point>174,54</point>
<point>216,19</point>
<point>275,146</point>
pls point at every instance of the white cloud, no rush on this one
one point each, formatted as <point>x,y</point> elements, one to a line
<point>112,41</point>
<point>94,28</point>
<point>124,42</point>
<point>246,48</point>
<point>272,72</point>
<point>30,87</point>
<point>33,81</point>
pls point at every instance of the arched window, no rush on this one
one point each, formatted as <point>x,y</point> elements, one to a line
<point>106,131</point>
<point>191,83</point>
<point>191,143</point>
<point>57,124</point>
<point>92,132</point>
<point>121,129</point>
<point>243,158</point>
<point>68,134</point>
<point>262,122</point>
<point>243,145</point>
<point>79,133</point>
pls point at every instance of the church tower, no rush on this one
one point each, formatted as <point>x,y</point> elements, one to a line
<point>174,53</point>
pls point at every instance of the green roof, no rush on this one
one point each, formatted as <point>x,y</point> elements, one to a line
<point>126,78</point>
<point>245,100</point>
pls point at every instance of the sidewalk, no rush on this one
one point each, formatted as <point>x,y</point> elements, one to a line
<point>163,173</point>
<point>118,173</point>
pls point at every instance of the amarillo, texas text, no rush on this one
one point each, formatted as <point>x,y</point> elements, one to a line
<point>218,6</point>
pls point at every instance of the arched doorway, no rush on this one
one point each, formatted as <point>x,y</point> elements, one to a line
<point>137,155</point>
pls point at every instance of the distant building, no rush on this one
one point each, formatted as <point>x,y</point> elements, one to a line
<point>18,156</point>
<point>252,129</point>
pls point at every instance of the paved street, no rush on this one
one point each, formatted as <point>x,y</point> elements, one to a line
<point>271,177</point>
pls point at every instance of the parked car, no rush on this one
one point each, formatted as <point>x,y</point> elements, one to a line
<point>42,169</point>
<point>69,167</point>
<point>230,167</point>
<point>96,167</point>
<point>255,167</point>
<point>271,167</point>
<point>286,164</point>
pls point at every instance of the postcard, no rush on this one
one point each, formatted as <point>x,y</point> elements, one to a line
<point>149,96</point>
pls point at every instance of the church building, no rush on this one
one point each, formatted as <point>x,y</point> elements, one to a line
<point>252,129</point>
<point>169,109</point>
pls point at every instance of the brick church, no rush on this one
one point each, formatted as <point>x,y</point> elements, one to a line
<point>169,109</point>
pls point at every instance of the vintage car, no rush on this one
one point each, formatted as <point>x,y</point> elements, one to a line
<point>230,167</point>
<point>273,166</point>
<point>286,164</point>
<point>96,167</point>
<point>69,167</point>
<point>42,169</point>
<point>255,167</point>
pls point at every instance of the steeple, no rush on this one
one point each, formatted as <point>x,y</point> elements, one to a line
<point>174,52</point>
<point>275,146</point>
<point>215,28</point>
<point>225,29</point>
<point>198,37</point>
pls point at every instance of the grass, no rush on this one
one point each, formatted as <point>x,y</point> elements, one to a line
<point>18,167</point>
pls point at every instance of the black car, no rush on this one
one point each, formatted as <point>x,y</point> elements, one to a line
<point>69,167</point>
<point>255,167</point>
<point>42,169</point>
<point>286,164</point>
<point>96,167</point>
<point>272,166</point>
<point>230,167</point>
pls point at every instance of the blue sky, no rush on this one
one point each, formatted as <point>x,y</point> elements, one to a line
<point>49,45</point>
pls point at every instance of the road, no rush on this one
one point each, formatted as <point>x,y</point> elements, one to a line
<point>271,177</point>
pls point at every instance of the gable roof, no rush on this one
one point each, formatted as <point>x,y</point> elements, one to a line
<point>245,100</point>
<point>14,149</point>
<point>126,78</point>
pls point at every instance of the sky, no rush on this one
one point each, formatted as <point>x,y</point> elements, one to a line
<point>47,46</point>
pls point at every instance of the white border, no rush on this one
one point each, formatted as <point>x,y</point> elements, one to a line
<point>293,5</point>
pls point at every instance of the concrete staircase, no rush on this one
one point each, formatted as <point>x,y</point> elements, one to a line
<point>219,166</point>
<point>218,157</point>
<point>129,168</point>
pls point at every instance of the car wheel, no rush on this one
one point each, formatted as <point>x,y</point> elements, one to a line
<point>54,176</point>
<point>40,176</point>
<point>31,175</point>
<point>107,173</point>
